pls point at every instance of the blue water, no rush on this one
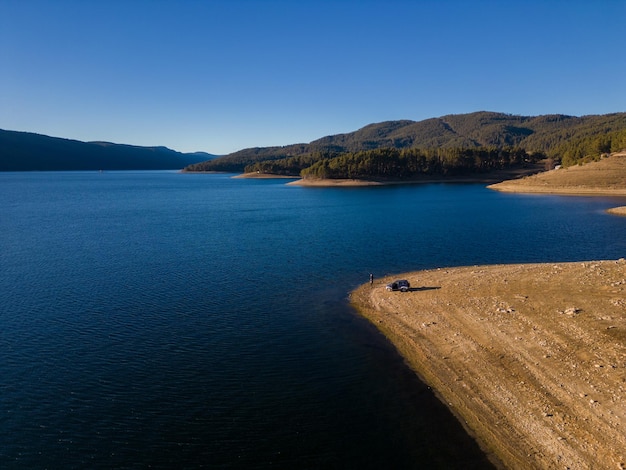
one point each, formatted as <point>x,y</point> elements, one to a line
<point>183,321</point>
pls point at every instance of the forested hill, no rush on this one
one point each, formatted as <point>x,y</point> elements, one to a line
<point>565,138</point>
<point>25,151</point>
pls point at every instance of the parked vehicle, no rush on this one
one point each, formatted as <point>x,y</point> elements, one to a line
<point>402,285</point>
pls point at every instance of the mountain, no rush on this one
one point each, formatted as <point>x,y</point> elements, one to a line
<point>25,151</point>
<point>567,138</point>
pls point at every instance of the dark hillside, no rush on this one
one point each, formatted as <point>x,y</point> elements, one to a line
<point>25,151</point>
<point>369,137</point>
<point>575,139</point>
<point>433,133</point>
<point>237,161</point>
<point>561,137</point>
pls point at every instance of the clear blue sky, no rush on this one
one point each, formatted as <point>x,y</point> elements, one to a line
<point>223,75</point>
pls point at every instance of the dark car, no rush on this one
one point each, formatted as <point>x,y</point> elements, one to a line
<point>402,285</point>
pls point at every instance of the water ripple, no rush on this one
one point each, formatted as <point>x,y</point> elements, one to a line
<point>159,319</point>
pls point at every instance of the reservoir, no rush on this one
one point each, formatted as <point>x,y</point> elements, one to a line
<point>160,319</point>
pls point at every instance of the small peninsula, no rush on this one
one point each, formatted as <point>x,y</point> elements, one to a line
<point>530,357</point>
<point>492,177</point>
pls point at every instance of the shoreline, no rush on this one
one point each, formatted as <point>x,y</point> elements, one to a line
<point>485,178</point>
<point>530,357</point>
<point>512,187</point>
<point>345,182</point>
<point>617,210</point>
<point>263,176</point>
<point>605,177</point>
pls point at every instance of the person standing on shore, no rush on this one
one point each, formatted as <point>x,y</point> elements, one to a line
<point>371,279</point>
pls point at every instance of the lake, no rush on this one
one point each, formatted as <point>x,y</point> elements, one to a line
<point>168,320</point>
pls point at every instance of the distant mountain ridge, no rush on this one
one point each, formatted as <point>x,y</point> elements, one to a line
<point>559,136</point>
<point>26,151</point>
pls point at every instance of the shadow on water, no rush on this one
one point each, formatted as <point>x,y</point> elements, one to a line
<point>433,437</point>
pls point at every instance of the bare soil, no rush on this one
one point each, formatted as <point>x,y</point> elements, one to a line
<point>262,176</point>
<point>617,210</point>
<point>604,177</point>
<point>531,358</point>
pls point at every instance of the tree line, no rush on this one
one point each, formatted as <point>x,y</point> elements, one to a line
<point>393,163</point>
<point>591,147</point>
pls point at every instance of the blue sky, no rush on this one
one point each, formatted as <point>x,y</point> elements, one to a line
<point>223,75</point>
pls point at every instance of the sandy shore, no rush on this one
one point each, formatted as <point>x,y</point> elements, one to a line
<point>606,177</point>
<point>531,358</point>
<point>329,183</point>
<point>263,176</point>
<point>617,210</point>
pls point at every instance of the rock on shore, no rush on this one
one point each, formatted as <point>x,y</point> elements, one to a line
<point>531,358</point>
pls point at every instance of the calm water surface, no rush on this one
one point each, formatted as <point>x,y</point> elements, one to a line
<point>183,321</point>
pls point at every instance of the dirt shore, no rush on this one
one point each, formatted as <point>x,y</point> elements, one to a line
<point>329,183</point>
<point>263,176</point>
<point>531,358</point>
<point>605,177</point>
<point>617,210</point>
